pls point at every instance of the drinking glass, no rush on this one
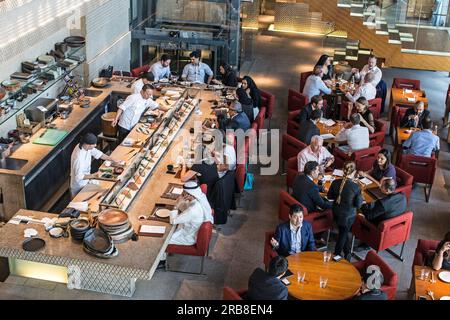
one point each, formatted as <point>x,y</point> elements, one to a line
<point>323,282</point>
<point>424,273</point>
<point>301,276</point>
<point>326,256</point>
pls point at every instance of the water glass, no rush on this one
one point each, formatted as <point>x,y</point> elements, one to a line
<point>326,256</point>
<point>323,282</point>
<point>301,276</point>
<point>424,273</point>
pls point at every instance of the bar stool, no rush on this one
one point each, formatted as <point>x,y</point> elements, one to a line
<point>105,141</point>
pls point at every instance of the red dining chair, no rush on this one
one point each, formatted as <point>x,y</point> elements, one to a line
<point>424,252</point>
<point>375,107</point>
<point>136,72</point>
<point>292,172</point>
<point>200,248</point>
<point>269,253</point>
<point>296,100</point>
<point>268,101</point>
<point>406,83</point>
<point>397,115</point>
<point>389,285</point>
<point>423,169</point>
<point>303,77</point>
<point>404,182</point>
<point>290,147</point>
<point>293,126</point>
<point>364,159</point>
<point>387,234</point>
<point>284,205</point>
<point>231,294</point>
<point>260,119</point>
<point>377,138</point>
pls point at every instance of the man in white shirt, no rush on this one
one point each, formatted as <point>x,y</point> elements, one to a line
<point>315,152</point>
<point>314,85</point>
<point>129,112</point>
<point>146,78</point>
<point>196,70</point>
<point>357,137</point>
<point>161,69</point>
<point>80,163</point>
<point>228,161</point>
<point>370,67</point>
<point>366,90</point>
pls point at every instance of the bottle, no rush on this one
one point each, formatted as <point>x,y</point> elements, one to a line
<point>353,81</point>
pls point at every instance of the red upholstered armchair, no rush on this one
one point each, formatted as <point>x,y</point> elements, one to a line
<point>396,118</point>
<point>292,172</point>
<point>284,205</point>
<point>268,101</point>
<point>375,107</point>
<point>138,71</point>
<point>293,126</point>
<point>406,83</point>
<point>269,253</point>
<point>303,77</point>
<point>363,158</point>
<point>387,234</point>
<point>200,248</point>
<point>423,169</point>
<point>377,138</point>
<point>290,147</point>
<point>424,251</point>
<point>231,294</point>
<point>260,119</point>
<point>404,182</point>
<point>389,285</point>
<point>296,100</point>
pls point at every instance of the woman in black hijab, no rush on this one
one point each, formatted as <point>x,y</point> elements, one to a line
<point>325,63</point>
<point>250,86</point>
<point>246,101</point>
<point>229,78</point>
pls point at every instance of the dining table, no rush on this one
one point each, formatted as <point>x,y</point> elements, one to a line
<point>431,287</point>
<point>343,279</point>
<point>326,129</point>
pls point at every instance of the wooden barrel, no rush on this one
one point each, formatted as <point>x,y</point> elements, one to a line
<point>107,128</point>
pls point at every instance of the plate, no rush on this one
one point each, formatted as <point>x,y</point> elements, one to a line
<point>98,240</point>
<point>128,142</point>
<point>112,217</point>
<point>163,80</point>
<point>56,232</point>
<point>230,97</point>
<point>162,213</point>
<point>33,244</point>
<point>445,298</point>
<point>445,276</point>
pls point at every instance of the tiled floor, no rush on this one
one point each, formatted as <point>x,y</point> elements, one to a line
<point>238,248</point>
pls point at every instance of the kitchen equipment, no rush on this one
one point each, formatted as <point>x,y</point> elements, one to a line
<point>51,137</point>
<point>75,41</point>
<point>2,93</point>
<point>21,76</point>
<point>113,217</point>
<point>30,67</point>
<point>33,244</point>
<point>43,109</point>
<point>107,128</point>
<point>98,240</point>
<point>47,59</point>
<point>24,128</point>
<point>11,85</point>
<point>100,82</point>
<point>78,228</point>
<point>61,47</point>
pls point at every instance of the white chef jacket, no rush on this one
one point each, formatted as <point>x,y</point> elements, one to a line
<point>80,165</point>
<point>132,108</point>
<point>189,222</point>
<point>137,86</point>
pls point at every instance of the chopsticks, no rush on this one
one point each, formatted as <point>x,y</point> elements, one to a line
<point>90,197</point>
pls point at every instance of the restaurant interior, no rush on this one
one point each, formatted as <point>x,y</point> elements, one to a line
<point>225,150</point>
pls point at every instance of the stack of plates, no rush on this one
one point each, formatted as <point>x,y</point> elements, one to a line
<point>78,228</point>
<point>116,224</point>
<point>98,243</point>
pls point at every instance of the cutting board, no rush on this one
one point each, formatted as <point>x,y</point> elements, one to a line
<point>51,137</point>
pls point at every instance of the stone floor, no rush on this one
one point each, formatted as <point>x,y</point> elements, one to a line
<point>238,247</point>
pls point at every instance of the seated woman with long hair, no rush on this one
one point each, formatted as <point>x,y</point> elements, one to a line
<point>382,168</point>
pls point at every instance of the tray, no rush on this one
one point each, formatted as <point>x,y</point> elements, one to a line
<point>168,193</point>
<point>158,206</point>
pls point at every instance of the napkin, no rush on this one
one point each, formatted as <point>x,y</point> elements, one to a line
<point>81,206</point>
<point>30,232</point>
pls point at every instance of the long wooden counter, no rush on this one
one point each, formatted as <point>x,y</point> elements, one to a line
<point>136,259</point>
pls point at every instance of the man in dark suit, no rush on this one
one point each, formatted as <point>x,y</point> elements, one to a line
<point>308,128</point>
<point>267,285</point>
<point>307,192</point>
<point>315,104</point>
<point>371,288</point>
<point>394,204</point>
<point>294,235</point>
<point>239,119</point>
<point>414,117</point>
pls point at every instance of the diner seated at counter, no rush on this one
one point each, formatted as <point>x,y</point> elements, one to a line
<point>307,192</point>
<point>391,206</point>
<point>414,117</point>
<point>246,101</point>
<point>227,76</point>
<point>295,235</point>
<point>366,90</point>
<point>422,143</point>
<point>226,161</point>
<point>237,118</point>
<point>314,84</point>
<point>129,112</point>
<point>382,168</point>
<point>370,67</point>
<point>161,68</point>
<point>441,258</point>
<point>316,103</point>
<point>365,115</point>
<point>308,128</point>
<point>196,71</point>
<point>357,137</point>
<point>145,78</point>
<point>315,152</point>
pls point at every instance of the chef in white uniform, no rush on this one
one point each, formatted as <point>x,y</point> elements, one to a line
<point>129,112</point>
<point>80,163</point>
<point>146,78</point>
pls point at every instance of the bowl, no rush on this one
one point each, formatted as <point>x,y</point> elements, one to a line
<point>100,82</point>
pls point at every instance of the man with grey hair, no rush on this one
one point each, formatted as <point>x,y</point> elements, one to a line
<point>371,287</point>
<point>391,205</point>
<point>415,117</point>
<point>315,152</point>
<point>366,90</point>
<point>238,118</point>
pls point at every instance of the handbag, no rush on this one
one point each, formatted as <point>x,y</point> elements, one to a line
<point>248,185</point>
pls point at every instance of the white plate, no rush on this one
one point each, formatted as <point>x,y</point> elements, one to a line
<point>445,276</point>
<point>445,298</point>
<point>128,142</point>
<point>230,97</point>
<point>162,213</point>
<point>164,80</point>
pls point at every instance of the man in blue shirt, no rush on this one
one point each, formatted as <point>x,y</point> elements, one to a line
<point>314,85</point>
<point>196,70</point>
<point>294,235</point>
<point>422,143</point>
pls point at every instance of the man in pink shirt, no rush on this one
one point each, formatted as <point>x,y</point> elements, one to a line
<point>315,152</point>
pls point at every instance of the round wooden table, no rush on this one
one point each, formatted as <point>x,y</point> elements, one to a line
<point>344,280</point>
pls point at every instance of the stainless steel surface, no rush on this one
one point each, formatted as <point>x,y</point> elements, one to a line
<point>92,93</point>
<point>12,163</point>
